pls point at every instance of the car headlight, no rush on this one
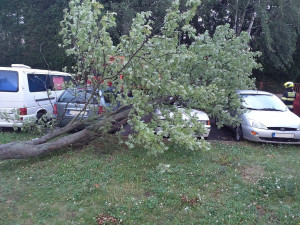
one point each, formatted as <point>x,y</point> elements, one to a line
<point>257,124</point>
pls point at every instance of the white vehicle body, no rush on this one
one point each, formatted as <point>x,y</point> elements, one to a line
<point>28,93</point>
<point>201,116</point>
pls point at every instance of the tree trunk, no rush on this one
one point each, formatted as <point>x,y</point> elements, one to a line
<point>46,144</point>
<point>251,23</point>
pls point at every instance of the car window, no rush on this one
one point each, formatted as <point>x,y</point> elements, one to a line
<point>262,102</point>
<point>9,81</point>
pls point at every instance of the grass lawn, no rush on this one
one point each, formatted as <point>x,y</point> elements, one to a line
<point>233,183</point>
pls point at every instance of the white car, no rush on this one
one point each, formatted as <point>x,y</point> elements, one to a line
<point>201,116</point>
<point>267,119</point>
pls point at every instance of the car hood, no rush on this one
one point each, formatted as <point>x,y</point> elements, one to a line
<point>274,118</point>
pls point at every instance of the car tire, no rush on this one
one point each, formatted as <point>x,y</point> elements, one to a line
<point>39,117</point>
<point>238,134</point>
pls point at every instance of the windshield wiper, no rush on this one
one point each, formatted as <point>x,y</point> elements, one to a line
<point>252,108</point>
<point>270,109</point>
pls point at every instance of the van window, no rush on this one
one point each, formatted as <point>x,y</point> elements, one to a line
<point>57,82</point>
<point>39,82</point>
<point>44,82</point>
<point>9,81</point>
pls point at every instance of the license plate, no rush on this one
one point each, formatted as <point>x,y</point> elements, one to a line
<point>75,113</point>
<point>279,135</point>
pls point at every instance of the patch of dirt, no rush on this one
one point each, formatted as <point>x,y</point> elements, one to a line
<point>252,174</point>
<point>260,210</point>
<point>222,134</point>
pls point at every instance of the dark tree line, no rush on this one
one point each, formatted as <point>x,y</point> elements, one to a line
<point>29,33</point>
<point>29,30</point>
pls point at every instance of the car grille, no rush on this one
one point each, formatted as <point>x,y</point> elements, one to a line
<point>287,140</point>
<point>282,128</point>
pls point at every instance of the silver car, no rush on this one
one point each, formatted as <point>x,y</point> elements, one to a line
<point>72,101</point>
<point>267,119</point>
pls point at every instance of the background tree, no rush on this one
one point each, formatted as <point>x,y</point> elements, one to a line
<point>155,67</point>
<point>126,10</point>
<point>10,31</point>
<point>273,26</point>
<point>29,33</point>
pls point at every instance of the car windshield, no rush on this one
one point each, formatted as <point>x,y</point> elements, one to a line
<point>265,102</point>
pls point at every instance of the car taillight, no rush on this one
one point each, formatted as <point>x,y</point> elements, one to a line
<point>208,122</point>
<point>100,110</point>
<point>23,111</point>
<point>55,109</point>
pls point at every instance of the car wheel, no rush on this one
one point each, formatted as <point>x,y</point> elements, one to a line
<point>238,133</point>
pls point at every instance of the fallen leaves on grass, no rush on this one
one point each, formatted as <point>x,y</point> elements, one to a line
<point>260,210</point>
<point>191,202</point>
<point>107,219</point>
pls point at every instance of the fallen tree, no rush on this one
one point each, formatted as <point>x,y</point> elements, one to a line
<point>152,66</point>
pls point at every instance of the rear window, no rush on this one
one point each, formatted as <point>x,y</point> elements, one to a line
<point>78,96</point>
<point>9,81</point>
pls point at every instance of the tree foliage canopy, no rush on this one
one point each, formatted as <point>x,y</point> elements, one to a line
<point>155,66</point>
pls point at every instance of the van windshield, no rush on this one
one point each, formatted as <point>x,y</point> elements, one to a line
<point>9,81</point>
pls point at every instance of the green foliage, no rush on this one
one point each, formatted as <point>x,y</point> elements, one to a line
<point>205,75</point>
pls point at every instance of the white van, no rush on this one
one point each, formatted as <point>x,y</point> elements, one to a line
<point>25,92</point>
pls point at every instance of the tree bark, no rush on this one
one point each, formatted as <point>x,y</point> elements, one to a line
<point>251,23</point>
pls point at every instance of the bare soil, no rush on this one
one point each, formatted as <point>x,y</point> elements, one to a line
<point>222,134</point>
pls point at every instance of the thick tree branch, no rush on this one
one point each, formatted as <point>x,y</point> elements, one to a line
<point>40,146</point>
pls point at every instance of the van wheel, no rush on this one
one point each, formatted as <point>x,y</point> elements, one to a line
<point>40,118</point>
<point>238,133</point>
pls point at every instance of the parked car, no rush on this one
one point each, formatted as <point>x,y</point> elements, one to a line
<point>201,116</point>
<point>297,105</point>
<point>267,119</point>
<point>72,101</point>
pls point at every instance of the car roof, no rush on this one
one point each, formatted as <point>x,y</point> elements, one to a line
<point>253,92</point>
